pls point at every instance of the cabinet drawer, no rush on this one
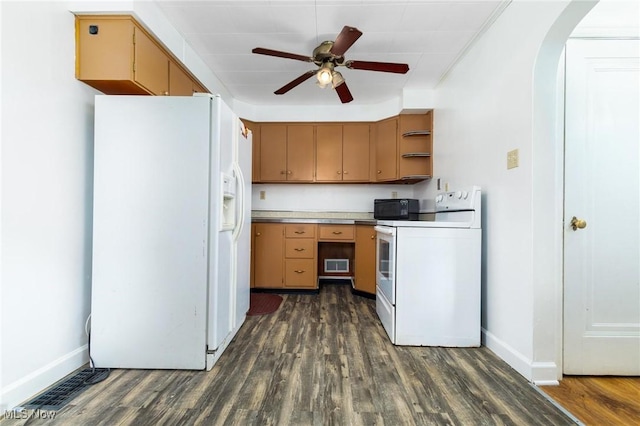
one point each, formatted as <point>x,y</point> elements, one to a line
<point>300,230</point>
<point>300,248</point>
<point>300,273</point>
<point>336,232</point>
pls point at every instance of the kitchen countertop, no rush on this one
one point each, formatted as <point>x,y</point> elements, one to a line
<point>331,218</point>
<point>314,220</point>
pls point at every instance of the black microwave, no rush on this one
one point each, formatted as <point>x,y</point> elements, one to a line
<point>396,209</point>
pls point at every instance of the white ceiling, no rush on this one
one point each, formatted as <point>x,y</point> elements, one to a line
<point>427,35</point>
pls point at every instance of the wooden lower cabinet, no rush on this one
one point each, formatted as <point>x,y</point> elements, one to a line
<point>300,273</point>
<point>336,232</point>
<point>268,253</point>
<point>284,256</point>
<point>301,256</point>
<point>365,259</point>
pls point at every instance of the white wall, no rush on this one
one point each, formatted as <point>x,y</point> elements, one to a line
<point>324,198</point>
<point>484,108</point>
<point>46,200</point>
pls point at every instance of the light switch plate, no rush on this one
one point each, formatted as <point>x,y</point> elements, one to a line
<point>512,159</point>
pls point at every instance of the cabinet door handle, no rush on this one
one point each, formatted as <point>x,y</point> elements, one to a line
<point>298,271</point>
<point>298,232</point>
<point>345,172</point>
<point>337,232</point>
<point>298,249</point>
<point>258,234</point>
<point>379,171</point>
<point>338,172</point>
<point>373,237</point>
<point>288,172</point>
<point>282,172</point>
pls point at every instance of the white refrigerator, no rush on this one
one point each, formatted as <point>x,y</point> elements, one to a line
<point>171,231</point>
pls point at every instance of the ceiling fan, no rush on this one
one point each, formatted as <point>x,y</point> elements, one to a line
<point>329,55</point>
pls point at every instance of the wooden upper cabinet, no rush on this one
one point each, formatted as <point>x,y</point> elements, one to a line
<point>150,64</point>
<point>387,149</point>
<point>355,152</point>
<point>273,152</point>
<point>300,153</point>
<point>286,153</point>
<point>116,56</point>
<point>342,153</point>
<point>329,153</point>
<point>180,84</point>
<point>256,131</point>
<point>391,150</point>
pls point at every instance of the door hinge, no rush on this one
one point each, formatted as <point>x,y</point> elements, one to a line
<point>211,351</point>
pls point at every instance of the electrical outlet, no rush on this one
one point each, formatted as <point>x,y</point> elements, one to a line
<point>394,194</point>
<point>263,195</point>
<point>512,159</point>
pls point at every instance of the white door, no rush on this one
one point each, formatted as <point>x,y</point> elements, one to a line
<point>602,187</point>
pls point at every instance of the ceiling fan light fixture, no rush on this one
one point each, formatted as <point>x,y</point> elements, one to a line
<point>336,79</point>
<point>324,76</point>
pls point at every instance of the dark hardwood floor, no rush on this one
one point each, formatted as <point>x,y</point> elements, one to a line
<point>321,359</point>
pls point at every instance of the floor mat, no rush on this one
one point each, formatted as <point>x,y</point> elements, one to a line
<point>264,303</point>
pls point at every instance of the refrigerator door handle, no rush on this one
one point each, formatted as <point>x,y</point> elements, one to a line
<point>239,202</point>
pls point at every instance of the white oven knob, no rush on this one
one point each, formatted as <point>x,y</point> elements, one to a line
<point>439,198</point>
<point>458,195</point>
<point>465,194</point>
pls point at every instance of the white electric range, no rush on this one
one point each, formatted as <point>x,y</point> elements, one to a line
<point>428,274</point>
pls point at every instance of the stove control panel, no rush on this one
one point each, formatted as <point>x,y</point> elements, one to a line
<point>463,199</point>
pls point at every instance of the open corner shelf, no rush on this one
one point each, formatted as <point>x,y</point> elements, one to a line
<point>416,154</point>
<point>417,133</point>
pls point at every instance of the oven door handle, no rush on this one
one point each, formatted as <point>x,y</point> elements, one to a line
<point>385,230</point>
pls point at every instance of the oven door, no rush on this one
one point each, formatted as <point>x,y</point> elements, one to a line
<point>386,262</point>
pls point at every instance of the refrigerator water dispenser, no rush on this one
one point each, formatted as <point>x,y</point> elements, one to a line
<point>228,221</point>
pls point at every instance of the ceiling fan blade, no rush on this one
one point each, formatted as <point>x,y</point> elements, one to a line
<point>344,93</point>
<point>304,77</point>
<point>279,54</point>
<point>378,66</point>
<point>345,40</point>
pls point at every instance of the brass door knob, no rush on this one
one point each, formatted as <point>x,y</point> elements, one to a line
<point>578,223</point>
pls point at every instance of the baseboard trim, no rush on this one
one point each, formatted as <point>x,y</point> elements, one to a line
<point>512,357</point>
<point>540,373</point>
<point>30,385</point>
